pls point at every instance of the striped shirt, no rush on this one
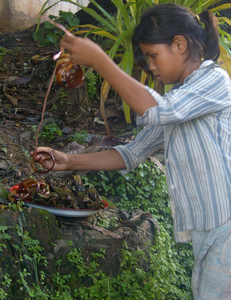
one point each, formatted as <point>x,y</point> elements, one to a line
<point>193,121</point>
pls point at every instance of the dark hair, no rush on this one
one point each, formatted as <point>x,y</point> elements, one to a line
<point>161,23</point>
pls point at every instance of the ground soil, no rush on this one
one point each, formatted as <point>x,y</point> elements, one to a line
<point>25,73</point>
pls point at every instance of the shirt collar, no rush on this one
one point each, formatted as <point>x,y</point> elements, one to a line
<point>205,64</point>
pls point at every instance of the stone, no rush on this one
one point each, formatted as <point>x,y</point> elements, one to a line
<point>59,235</point>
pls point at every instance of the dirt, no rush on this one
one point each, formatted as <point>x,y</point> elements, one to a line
<point>25,73</point>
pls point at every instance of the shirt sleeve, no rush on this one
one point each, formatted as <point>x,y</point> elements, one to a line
<point>149,140</point>
<point>206,91</point>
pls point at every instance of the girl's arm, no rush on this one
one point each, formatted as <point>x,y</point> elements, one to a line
<point>85,52</point>
<point>105,160</point>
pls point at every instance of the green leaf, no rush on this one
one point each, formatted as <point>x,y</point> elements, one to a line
<point>87,10</point>
<point>3,193</point>
<point>225,46</point>
<point>48,25</point>
<point>124,40</point>
<point>224,19</point>
<point>127,61</point>
<point>188,3</point>
<point>225,58</point>
<point>50,39</point>
<point>108,16</point>
<point>39,34</point>
<point>208,4</point>
<point>220,8</point>
<point>123,14</point>
<point>94,30</point>
<point>197,8</point>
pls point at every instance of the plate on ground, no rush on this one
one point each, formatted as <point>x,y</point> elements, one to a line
<point>66,212</point>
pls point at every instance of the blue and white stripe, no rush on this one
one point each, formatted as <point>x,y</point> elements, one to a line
<point>194,122</point>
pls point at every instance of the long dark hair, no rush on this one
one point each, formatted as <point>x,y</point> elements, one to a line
<point>159,24</point>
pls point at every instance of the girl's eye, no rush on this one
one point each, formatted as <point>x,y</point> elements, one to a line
<point>153,55</point>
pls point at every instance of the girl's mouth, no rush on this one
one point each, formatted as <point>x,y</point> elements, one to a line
<point>158,77</point>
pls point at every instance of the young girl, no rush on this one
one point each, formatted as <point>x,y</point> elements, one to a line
<point>193,120</point>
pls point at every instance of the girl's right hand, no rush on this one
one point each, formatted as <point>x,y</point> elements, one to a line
<point>46,160</point>
<point>83,51</point>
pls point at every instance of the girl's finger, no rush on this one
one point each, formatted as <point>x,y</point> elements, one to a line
<point>67,40</point>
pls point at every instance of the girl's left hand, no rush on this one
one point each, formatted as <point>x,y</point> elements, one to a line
<point>61,159</point>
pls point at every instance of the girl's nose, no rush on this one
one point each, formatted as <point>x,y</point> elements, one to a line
<point>152,66</point>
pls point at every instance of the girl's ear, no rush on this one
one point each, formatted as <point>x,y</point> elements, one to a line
<point>179,44</point>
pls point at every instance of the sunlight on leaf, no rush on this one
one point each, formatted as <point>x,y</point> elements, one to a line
<point>224,60</point>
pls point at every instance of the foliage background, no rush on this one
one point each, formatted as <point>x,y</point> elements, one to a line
<point>144,188</point>
<point>119,29</point>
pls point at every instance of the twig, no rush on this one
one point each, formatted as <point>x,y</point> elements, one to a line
<point>44,107</point>
<point>56,56</point>
<point>60,26</point>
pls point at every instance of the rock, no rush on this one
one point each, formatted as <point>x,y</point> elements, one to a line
<point>60,235</point>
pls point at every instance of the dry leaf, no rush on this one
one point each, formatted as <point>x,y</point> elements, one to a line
<point>13,80</point>
<point>112,113</point>
<point>16,117</point>
<point>146,214</point>
<point>12,99</point>
<point>2,77</point>
<point>158,163</point>
<point>103,230</point>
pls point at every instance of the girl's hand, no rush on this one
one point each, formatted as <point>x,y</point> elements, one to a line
<point>47,162</point>
<point>82,50</point>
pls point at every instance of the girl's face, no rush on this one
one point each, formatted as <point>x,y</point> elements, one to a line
<point>169,64</point>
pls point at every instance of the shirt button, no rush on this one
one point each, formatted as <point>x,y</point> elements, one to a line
<point>167,160</point>
<point>172,187</point>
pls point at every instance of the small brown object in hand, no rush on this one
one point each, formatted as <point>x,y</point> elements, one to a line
<point>32,162</point>
<point>68,75</point>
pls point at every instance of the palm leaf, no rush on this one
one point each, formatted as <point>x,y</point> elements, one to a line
<point>123,14</point>
<point>225,40</point>
<point>112,25</point>
<point>104,90</point>
<point>126,63</point>
<point>224,19</point>
<point>221,7</point>
<point>187,3</point>
<point>127,66</point>
<point>132,8</point>
<point>105,13</point>
<point>225,60</point>
<point>94,29</point>
<point>121,40</point>
<point>223,44</point>
<point>143,77</point>
<point>209,3</point>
